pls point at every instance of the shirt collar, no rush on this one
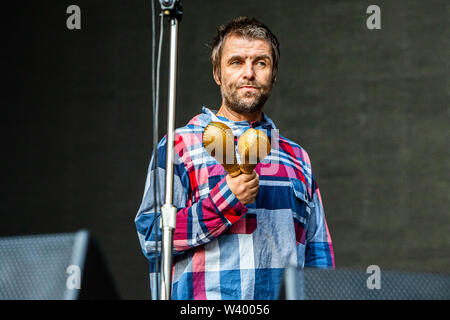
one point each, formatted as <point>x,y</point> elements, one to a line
<point>264,123</point>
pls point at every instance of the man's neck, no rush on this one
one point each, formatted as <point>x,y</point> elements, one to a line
<point>224,111</point>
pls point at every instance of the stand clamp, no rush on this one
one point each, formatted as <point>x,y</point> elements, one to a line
<point>172,9</point>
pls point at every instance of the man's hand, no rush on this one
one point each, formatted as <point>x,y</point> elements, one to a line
<point>245,186</point>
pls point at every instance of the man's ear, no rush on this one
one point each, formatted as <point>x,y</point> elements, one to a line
<point>217,78</point>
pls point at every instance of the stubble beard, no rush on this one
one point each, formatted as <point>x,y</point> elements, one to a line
<point>248,102</point>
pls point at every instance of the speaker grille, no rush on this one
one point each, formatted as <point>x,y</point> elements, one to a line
<point>345,284</point>
<point>34,267</point>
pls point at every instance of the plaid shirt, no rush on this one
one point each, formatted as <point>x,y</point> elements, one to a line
<point>221,248</point>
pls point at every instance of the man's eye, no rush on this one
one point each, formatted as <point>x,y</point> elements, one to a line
<point>261,63</point>
<point>236,62</point>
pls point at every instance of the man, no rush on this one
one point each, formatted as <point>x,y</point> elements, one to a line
<point>235,235</point>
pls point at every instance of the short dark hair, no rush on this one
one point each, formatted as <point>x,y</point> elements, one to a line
<point>246,28</point>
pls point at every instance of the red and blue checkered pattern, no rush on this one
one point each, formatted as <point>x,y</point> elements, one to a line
<point>223,249</point>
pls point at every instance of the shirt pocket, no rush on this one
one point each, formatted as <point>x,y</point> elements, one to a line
<point>301,209</point>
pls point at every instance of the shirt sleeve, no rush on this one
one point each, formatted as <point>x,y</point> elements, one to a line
<point>319,248</point>
<point>197,223</point>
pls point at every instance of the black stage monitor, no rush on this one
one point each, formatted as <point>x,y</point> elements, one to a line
<point>371,284</point>
<point>66,266</point>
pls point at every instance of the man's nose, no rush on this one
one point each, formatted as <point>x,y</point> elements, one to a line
<point>249,73</point>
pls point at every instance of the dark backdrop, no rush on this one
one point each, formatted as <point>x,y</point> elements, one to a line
<point>369,106</point>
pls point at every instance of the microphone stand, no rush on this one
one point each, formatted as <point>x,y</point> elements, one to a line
<point>173,10</point>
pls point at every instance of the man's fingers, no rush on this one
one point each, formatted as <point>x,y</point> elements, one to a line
<point>247,176</point>
<point>254,192</point>
<point>253,184</point>
<point>244,186</point>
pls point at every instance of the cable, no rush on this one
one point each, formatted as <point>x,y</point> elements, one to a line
<point>155,149</point>
<point>155,100</point>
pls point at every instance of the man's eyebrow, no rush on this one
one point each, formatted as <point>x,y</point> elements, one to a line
<point>260,57</point>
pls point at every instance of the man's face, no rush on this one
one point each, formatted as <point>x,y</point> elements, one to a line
<point>245,78</point>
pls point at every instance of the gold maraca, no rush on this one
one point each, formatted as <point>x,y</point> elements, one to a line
<point>253,147</point>
<point>218,140</point>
